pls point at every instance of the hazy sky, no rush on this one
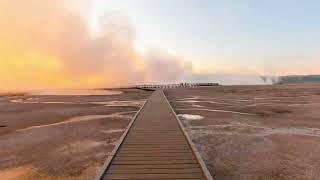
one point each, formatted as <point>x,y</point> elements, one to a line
<point>237,36</point>
<point>111,43</point>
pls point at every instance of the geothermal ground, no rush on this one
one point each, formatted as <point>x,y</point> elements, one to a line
<point>242,132</point>
<point>62,137</point>
<point>254,132</point>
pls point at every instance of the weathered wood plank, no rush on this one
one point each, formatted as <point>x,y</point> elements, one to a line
<point>154,151</point>
<point>177,162</point>
<point>155,147</point>
<point>155,155</point>
<point>155,143</point>
<point>156,171</point>
<point>154,140</point>
<point>165,158</point>
<point>142,145</point>
<point>155,176</point>
<point>152,166</point>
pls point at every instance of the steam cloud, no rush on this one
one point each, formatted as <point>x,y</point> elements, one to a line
<point>47,44</point>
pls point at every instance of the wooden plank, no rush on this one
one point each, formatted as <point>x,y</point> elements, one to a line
<point>154,155</point>
<point>157,158</point>
<point>142,151</point>
<point>155,143</point>
<point>192,146</point>
<point>156,135</point>
<point>155,147</point>
<point>152,166</point>
<point>155,171</point>
<point>152,144</point>
<point>155,131</point>
<point>156,139</point>
<point>148,149</point>
<point>155,176</point>
<point>177,162</point>
<point>124,145</point>
<point>145,147</point>
<point>107,162</point>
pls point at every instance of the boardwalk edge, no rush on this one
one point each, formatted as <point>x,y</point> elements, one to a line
<point>192,145</point>
<point>116,148</point>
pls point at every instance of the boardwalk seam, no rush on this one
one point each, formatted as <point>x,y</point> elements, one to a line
<point>117,147</point>
<point>193,147</point>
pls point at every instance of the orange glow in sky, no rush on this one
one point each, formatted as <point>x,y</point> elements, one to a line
<point>47,44</point>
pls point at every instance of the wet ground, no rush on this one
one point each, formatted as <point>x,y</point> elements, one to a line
<point>62,136</point>
<point>254,132</point>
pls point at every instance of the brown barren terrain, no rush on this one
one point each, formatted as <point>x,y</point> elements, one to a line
<point>254,132</point>
<point>62,137</point>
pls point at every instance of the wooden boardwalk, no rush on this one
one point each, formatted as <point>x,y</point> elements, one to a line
<point>155,147</point>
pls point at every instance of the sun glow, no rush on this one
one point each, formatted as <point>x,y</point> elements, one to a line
<point>33,69</point>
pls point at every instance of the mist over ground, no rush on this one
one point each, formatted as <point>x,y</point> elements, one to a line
<point>49,44</point>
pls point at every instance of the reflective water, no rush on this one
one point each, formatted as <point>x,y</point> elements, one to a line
<point>125,115</point>
<point>190,116</point>
<point>136,103</point>
<point>217,110</point>
<point>196,101</point>
<point>243,129</point>
<point>113,131</point>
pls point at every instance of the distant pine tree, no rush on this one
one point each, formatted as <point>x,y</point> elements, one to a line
<point>299,79</point>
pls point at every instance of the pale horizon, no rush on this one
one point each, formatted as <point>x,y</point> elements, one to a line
<point>94,44</point>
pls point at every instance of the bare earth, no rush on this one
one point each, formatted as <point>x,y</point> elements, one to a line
<point>254,132</point>
<point>62,137</point>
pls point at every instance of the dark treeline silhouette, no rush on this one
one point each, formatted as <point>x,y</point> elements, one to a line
<point>299,79</point>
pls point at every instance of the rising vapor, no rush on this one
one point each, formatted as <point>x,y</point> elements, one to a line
<point>49,44</point>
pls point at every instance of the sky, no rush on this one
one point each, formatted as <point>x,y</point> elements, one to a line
<point>49,44</point>
<point>234,36</point>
